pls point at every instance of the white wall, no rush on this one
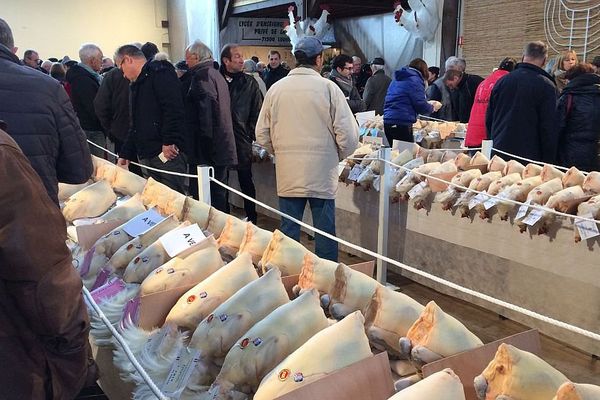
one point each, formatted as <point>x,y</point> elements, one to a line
<point>59,27</point>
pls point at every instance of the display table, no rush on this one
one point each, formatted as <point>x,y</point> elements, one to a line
<point>549,274</point>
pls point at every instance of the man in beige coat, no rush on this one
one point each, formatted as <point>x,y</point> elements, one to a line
<point>306,123</point>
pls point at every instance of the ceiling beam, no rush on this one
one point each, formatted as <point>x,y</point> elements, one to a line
<point>226,13</point>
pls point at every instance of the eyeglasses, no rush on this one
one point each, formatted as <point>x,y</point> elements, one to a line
<point>348,68</point>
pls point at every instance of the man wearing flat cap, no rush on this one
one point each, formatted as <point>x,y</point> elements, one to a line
<point>306,123</point>
<point>376,87</point>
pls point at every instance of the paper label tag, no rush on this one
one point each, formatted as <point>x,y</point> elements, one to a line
<point>180,372</point>
<point>341,167</point>
<point>363,131</point>
<point>110,289</point>
<point>480,198</point>
<point>142,222</point>
<point>377,141</point>
<point>154,341</point>
<point>101,278</point>
<point>587,229</point>
<point>418,136</point>
<point>463,197</point>
<point>355,172</point>
<point>404,179</point>
<point>491,203</point>
<point>131,313</point>
<point>534,216</point>
<point>181,239</point>
<point>523,210</point>
<point>377,182</point>
<point>417,190</point>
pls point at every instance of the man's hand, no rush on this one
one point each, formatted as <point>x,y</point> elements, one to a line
<point>170,151</point>
<point>436,105</point>
<point>123,163</point>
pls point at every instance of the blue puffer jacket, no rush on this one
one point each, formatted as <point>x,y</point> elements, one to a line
<point>405,98</point>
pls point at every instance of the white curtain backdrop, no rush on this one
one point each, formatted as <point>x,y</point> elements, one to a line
<point>378,36</point>
<point>202,23</point>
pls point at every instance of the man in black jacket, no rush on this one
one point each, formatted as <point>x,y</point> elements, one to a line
<point>274,71</point>
<point>376,87</point>
<point>40,118</point>
<point>341,75</point>
<point>521,117</point>
<point>157,131</point>
<point>208,121</point>
<point>85,81</point>
<point>246,101</point>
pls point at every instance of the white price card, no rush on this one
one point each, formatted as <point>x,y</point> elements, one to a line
<point>463,197</point>
<point>489,203</point>
<point>417,190</point>
<point>181,239</point>
<point>355,172</point>
<point>534,216</point>
<point>480,198</point>
<point>587,229</point>
<point>377,182</point>
<point>341,167</point>
<point>404,179</point>
<point>142,222</point>
<point>523,210</point>
<point>180,372</point>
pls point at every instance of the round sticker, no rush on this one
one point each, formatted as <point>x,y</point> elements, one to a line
<point>210,318</point>
<point>158,271</point>
<point>223,317</point>
<point>145,259</point>
<point>137,260</point>
<point>138,246</point>
<point>170,271</point>
<point>284,374</point>
<point>298,377</point>
<point>203,295</point>
<point>244,343</point>
<point>191,299</point>
<point>257,342</point>
<point>117,233</point>
<point>129,246</point>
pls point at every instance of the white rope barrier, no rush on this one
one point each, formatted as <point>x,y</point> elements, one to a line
<point>124,345</point>
<point>533,161</point>
<point>518,203</point>
<point>416,271</point>
<point>421,116</point>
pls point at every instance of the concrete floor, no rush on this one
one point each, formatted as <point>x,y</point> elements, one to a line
<point>488,326</point>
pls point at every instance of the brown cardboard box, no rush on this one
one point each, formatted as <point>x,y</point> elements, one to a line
<point>369,379</point>
<point>469,364</point>
<point>87,235</point>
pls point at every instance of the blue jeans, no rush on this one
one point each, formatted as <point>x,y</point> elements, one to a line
<point>323,213</point>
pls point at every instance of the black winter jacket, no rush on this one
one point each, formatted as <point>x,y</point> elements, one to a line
<point>208,118</point>
<point>157,115</point>
<point>521,117</point>
<point>40,118</point>
<point>246,102</point>
<point>579,113</point>
<point>84,87</point>
<point>272,75</point>
<point>375,91</point>
<point>464,96</point>
<point>112,105</point>
<point>350,91</point>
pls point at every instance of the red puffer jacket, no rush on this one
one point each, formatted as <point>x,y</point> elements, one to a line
<point>476,131</point>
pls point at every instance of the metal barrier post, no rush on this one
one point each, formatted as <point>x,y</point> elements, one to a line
<point>384,211</point>
<point>204,183</point>
<point>486,148</point>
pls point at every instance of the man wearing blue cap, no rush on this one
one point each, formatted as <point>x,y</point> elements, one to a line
<point>306,123</point>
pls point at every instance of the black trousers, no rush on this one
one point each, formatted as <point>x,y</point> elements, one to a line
<point>398,132</point>
<point>247,187</point>
<point>132,168</point>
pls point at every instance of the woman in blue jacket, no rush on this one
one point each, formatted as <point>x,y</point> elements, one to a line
<point>404,100</point>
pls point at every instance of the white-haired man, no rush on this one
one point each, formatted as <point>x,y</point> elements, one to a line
<point>85,81</point>
<point>376,87</point>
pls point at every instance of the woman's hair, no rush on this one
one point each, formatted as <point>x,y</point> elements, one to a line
<point>561,59</point>
<point>508,64</point>
<point>57,71</point>
<point>579,69</point>
<point>420,65</point>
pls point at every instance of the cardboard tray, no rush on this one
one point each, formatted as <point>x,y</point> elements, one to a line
<point>469,364</point>
<point>369,379</point>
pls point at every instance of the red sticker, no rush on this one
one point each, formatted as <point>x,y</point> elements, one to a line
<point>137,260</point>
<point>129,246</point>
<point>210,318</point>
<point>191,299</point>
<point>245,342</point>
<point>284,374</point>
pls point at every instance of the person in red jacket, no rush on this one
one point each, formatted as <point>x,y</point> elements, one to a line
<point>476,131</point>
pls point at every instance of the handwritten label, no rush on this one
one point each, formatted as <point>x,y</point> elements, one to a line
<point>417,190</point>
<point>534,216</point>
<point>142,222</point>
<point>404,179</point>
<point>355,172</point>
<point>587,229</point>
<point>181,239</point>
<point>463,197</point>
<point>480,198</point>
<point>108,290</point>
<point>131,313</point>
<point>523,210</point>
<point>491,202</point>
<point>377,183</point>
<point>180,372</point>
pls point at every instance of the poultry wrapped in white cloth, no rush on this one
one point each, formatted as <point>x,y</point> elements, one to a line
<point>91,201</point>
<point>515,374</point>
<point>329,350</point>
<point>443,385</point>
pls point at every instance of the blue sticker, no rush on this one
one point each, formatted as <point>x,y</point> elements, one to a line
<point>223,317</point>
<point>257,342</point>
<point>298,377</point>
